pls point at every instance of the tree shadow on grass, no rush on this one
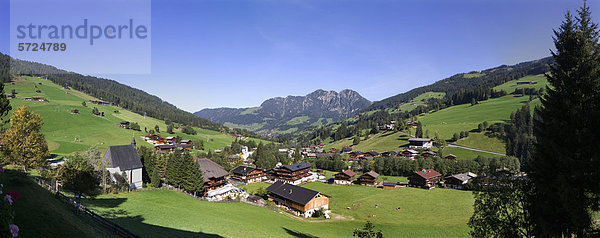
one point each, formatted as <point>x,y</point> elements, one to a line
<point>136,225</point>
<point>104,202</point>
<point>298,234</point>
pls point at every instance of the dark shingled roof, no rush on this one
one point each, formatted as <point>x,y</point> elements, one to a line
<point>292,192</point>
<point>243,170</point>
<point>123,156</point>
<point>297,166</point>
<point>210,169</point>
<point>389,184</point>
<point>166,147</point>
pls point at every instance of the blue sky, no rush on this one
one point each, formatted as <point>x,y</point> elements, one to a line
<point>239,53</point>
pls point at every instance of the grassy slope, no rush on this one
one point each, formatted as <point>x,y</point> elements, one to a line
<point>39,212</point>
<point>466,117</point>
<point>386,141</point>
<point>481,141</point>
<point>510,86</point>
<point>61,127</point>
<point>423,213</point>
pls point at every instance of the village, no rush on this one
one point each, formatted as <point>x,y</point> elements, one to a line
<point>286,182</point>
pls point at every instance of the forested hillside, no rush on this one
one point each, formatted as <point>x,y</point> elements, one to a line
<point>485,79</point>
<point>126,97</point>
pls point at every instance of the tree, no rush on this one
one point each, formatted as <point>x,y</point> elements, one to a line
<point>356,140</point>
<point>367,231</point>
<point>84,104</point>
<point>473,101</point>
<point>419,132</point>
<point>23,144</point>
<point>4,103</point>
<point>520,140</point>
<point>500,208</point>
<point>157,129</point>
<point>78,176</point>
<point>95,111</point>
<point>155,179</point>
<point>188,130</point>
<point>566,159</point>
<point>485,125</point>
<point>100,163</point>
<point>170,128</point>
<point>455,137</point>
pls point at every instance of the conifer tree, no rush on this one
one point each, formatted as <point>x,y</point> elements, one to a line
<point>566,167</point>
<point>419,132</point>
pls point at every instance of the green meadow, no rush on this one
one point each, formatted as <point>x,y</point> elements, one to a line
<point>402,212</point>
<point>67,133</point>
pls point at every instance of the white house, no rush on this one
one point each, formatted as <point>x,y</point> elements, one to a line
<point>124,158</point>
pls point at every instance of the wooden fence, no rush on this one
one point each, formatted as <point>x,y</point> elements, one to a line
<point>116,229</point>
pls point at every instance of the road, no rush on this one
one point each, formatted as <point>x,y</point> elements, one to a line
<point>473,149</point>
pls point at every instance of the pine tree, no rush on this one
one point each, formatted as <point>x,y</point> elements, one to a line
<point>419,133</point>
<point>565,169</point>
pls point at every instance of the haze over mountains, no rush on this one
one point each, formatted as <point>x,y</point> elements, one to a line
<point>292,113</point>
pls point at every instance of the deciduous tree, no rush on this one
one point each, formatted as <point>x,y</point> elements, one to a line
<point>23,144</point>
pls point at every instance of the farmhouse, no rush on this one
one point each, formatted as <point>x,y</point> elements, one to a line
<point>389,154</point>
<point>356,154</point>
<point>293,173</point>
<point>36,99</point>
<point>216,187</point>
<point>420,143</point>
<point>124,124</point>
<point>345,177</point>
<point>165,148</point>
<point>247,174</point>
<point>525,82</point>
<point>297,200</point>
<point>170,140</point>
<point>187,142</point>
<point>428,154</point>
<point>346,149</point>
<point>74,111</point>
<point>411,154</point>
<point>458,181</point>
<point>368,178</point>
<point>10,96</point>
<point>372,154</point>
<point>124,158</point>
<point>426,178</point>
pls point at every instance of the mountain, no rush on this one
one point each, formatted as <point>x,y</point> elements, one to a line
<point>488,78</point>
<point>284,115</point>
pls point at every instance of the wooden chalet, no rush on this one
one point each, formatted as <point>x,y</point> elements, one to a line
<point>297,200</point>
<point>170,140</point>
<point>184,147</point>
<point>74,111</point>
<point>458,181</point>
<point>389,154</point>
<point>426,178</point>
<point>346,149</point>
<point>124,124</point>
<point>247,174</point>
<point>420,143</point>
<point>428,154</point>
<point>293,173</point>
<point>213,174</point>
<point>36,99</point>
<point>372,154</point>
<point>410,154</point>
<point>187,142</point>
<point>344,178</point>
<point>450,156</point>
<point>165,148</point>
<point>356,154</point>
<point>10,96</point>
<point>368,178</point>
